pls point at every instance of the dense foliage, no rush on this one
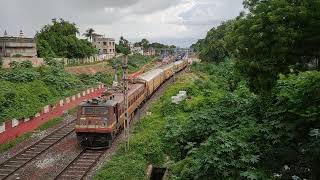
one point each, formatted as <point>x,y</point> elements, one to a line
<point>274,37</point>
<point>123,46</point>
<point>146,45</point>
<point>224,131</point>
<point>213,47</point>
<point>25,90</point>
<point>254,104</point>
<point>59,40</point>
<point>242,135</point>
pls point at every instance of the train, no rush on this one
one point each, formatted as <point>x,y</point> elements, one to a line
<point>99,120</point>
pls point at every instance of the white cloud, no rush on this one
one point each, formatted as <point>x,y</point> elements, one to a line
<point>175,21</point>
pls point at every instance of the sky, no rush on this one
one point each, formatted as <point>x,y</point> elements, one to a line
<point>178,22</point>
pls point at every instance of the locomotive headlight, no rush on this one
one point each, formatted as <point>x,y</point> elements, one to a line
<point>83,120</point>
<point>105,120</point>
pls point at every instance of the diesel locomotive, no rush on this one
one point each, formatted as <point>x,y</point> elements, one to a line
<point>100,120</point>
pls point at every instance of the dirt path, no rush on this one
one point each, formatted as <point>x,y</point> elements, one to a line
<point>102,67</point>
<point>90,69</point>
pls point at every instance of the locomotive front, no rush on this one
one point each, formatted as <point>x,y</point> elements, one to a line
<point>95,124</point>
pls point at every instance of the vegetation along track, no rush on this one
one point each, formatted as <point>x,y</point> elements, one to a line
<point>81,165</point>
<point>13,164</point>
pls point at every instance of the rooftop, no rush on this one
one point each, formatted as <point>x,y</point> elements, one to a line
<point>17,39</point>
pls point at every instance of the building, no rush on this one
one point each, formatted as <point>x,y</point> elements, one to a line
<point>106,46</point>
<point>150,52</point>
<point>17,46</point>
<point>136,50</point>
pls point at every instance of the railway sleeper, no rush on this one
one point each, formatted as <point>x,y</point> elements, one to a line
<point>3,175</point>
<point>46,143</point>
<point>82,163</point>
<point>33,152</point>
<point>22,158</point>
<point>7,170</point>
<point>9,165</point>
<point>53,138</point>
<point>86,160</point>
<point>77,167</point>
<point>11,161</point>
<point>71,175</point>
<point>38,148</point>
<point>75,171</point>
<point>29,155</point>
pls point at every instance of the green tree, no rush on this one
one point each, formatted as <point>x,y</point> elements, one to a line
<point>213,47</point>
<point>197,46</point>
<point>59,40</point>
<point>89,33</point>
<point>1,62</point>
<point>123,46</point>
<point>275,37</point>
<point>145,44</point>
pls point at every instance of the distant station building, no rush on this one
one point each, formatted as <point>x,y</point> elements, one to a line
<point>136,49</point>
<point>17,46</point>
<point>150,52</point>
<point>106,46</point>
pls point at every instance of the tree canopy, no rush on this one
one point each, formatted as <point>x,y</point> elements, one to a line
<point>273,37</point>
<point>59,39</point>
<point>89,33</point>
<point>123,46</point>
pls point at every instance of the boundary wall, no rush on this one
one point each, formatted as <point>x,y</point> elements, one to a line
<point>14,128</point>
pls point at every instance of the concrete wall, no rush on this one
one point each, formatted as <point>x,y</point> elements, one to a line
<point>36,62</point>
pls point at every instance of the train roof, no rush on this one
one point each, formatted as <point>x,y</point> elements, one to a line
<point>168,66</point>
<point>118,96</point>
<point>150,74</point>
<point>178,62</point>
<point>95,102</point>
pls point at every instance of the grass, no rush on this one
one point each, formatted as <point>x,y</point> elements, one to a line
<point>146,145</point>
<point>5,147</point>
<point>73,110</point>
<point>51,123</point>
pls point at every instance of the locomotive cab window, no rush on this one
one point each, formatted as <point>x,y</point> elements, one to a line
<point>94,110</point>
<point>87,110</point>
<point>100,110</point>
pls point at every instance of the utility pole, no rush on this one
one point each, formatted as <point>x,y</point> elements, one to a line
<point>115,81</point>
<point>126,99</point>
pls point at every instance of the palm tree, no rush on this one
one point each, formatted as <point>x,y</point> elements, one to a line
<point>89,33</point>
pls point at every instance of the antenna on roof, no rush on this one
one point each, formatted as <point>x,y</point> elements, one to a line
<point>21,35</point>
<point>5,33</point>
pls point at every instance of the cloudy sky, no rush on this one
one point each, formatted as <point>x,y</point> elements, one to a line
<point>179,22</point>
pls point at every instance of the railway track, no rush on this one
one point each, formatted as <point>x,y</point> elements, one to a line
<point>13,164</point>
<point>81,165</point>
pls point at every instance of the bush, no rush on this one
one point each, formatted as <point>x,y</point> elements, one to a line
<point>25,90</point>
<point>1,62</point>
